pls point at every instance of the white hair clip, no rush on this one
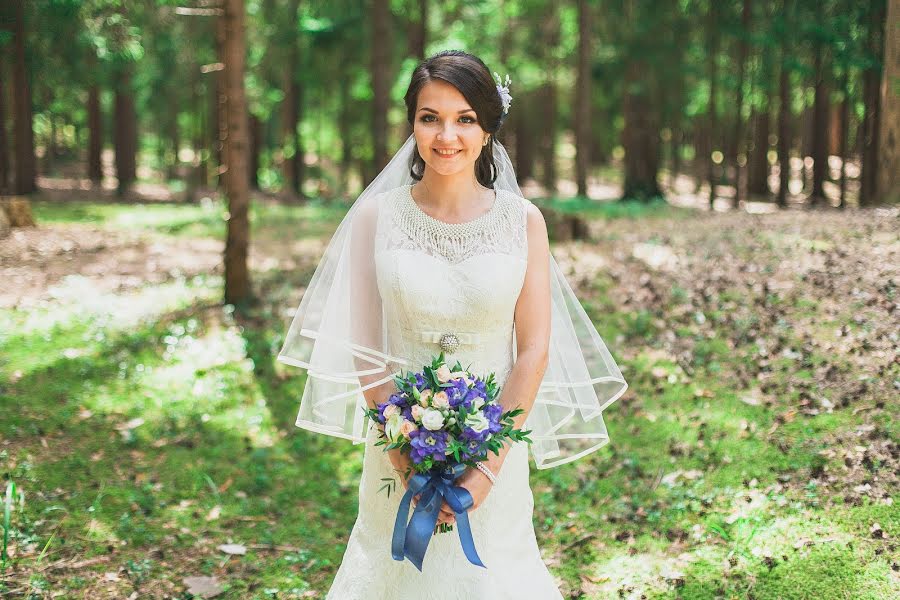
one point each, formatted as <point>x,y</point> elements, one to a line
<point>503,90</point>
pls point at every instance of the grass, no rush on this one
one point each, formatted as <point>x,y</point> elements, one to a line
<point>145,428</point>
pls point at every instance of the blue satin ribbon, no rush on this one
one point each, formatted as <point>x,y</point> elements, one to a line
<point>411,540</point>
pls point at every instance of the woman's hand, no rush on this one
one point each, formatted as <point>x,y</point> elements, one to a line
<point>401,463</point>
<point>477,484</point>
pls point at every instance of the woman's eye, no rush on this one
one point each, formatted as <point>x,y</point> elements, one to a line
<point>427,119</point>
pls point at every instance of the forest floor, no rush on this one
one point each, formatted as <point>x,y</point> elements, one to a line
<point>150,429</point>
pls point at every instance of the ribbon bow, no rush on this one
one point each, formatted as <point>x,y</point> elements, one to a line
<point>411,541</point>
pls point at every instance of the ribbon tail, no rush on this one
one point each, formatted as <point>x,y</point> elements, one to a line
<point>416,483</point>
<point>400,525</point>
<point>421,526</point>
<point>460,500</point>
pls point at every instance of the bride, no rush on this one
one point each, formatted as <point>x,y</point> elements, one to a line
<point>441,253</point>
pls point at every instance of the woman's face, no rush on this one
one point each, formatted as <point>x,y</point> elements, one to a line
<point>445,121</point>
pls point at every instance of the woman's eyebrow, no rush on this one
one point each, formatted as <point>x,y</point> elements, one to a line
<point>436,112</point>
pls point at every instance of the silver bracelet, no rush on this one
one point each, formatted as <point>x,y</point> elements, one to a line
<point>486,471</point>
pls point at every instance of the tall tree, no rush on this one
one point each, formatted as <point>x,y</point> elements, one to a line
<point>292,142</point>
<point>888,166</point>
<point>95,133</point>
<point>784,103</point>
<point>712,28</point>
<point>582,119</point>
<point>237,274</point>
<point>5,162</point>
<point>23,134</point>
<point>380,71</point>
<point>640,134</point>
<point>738,133</point>
<point>872,102</point>
<point>125,127</point>
<point>821,109</point>
<point>550,32</point>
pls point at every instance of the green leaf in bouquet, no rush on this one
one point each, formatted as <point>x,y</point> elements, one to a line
<point>391,486</point>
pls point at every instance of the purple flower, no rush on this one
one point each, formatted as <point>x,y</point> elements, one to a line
<point>421,382</point>
<point>457,393</point>
<point>427,443</point>
<point>469,434</point>
<point>398,400</point>
<point>493,413</point>
<point>472,449</point>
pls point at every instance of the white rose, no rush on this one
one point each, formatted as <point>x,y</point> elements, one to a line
<point>417,412</point>
<point>477,421</point>
<point>432,419</point>
<point>390,411</point>
<point>458,374</point>
<point>443,374</point>
<point>441,400</point>
<point>478,403</point>
<point>392,427</point>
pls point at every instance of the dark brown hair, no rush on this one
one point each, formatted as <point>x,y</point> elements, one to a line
<point>468,74</point>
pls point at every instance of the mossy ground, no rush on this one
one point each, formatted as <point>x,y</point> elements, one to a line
<point>753,456</point>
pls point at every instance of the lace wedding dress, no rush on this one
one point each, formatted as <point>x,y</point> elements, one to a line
<point>479,266</point>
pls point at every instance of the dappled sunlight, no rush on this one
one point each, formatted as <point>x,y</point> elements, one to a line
<point>633,575</point>
<point>76,298</point>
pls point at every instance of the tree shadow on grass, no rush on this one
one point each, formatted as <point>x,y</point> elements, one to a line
<point>119,482</point>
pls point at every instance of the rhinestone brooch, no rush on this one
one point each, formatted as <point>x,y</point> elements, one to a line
<point>449,343</point>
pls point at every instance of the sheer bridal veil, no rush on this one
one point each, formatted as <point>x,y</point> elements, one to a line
<point>339,335</point>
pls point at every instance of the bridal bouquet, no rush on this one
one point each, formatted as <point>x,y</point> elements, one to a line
<point>445,420</point>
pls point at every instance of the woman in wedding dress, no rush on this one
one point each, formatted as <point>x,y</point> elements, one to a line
<point>442,253</point>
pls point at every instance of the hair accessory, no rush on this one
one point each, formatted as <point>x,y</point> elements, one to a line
<point>503,90</point>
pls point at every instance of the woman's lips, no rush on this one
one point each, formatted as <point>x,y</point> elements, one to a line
<point>447,155</point>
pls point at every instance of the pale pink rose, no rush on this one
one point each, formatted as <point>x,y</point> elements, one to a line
<point>390,411</point>
<point>457,374</point>
<point>441,400</point>
<point>424,396</point>
<point>417,412</point>
<point>407,427</point>
<point>443,374</point>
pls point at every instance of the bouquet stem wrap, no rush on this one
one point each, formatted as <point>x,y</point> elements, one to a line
<point>411,541</point>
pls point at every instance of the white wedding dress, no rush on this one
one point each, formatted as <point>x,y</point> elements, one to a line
<point>479,267</point>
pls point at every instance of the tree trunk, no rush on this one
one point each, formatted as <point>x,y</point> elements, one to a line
<point>523,121</point>
<point>125,124</point>
<point>289,131</point>
<point>758,159</point>
<point>95,135</point>
<point>821,108</point>
<point>713,36</point>
<point>639,137</point>
<point>550,33</point>
<point>345,125</point>
<point>26,171</point>
<point>380,70</point>
<point>871,118</point>
<point>583,98</point>
<point>887,186</point>
<point>417,37</point>
<point>256,134</point>
<point>844,128</point>
<point>237,275</point>
<point>784,116</point>
<point>737,140</point>
<point>5,163</point>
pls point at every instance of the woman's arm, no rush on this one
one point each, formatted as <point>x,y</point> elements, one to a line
<point>532,321</point>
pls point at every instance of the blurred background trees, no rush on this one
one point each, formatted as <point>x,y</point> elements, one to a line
<point>700,102</point>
